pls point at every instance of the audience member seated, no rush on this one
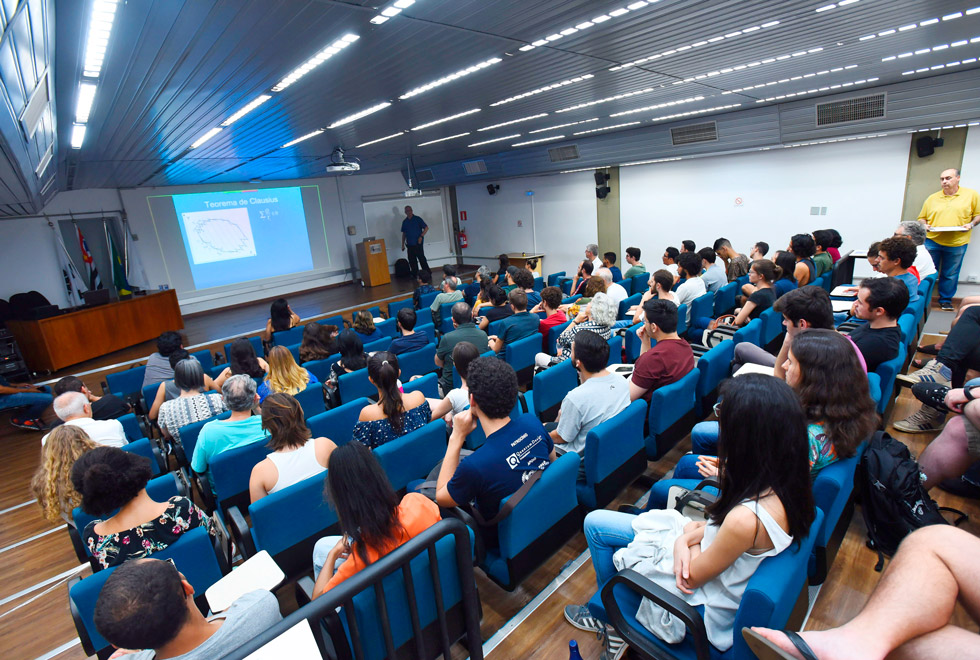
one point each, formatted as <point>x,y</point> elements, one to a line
<point>352,357</point>
<point>463,330</point>
<point>109,479</point>
<point>395,414</point>
<point>933,349</point>
<point>472,290</point>
<point>74,408</point>
<point>822,260</point>
<point>243,361</point>
<point>599,316</point>
<point>915,231</point>
<point>873,260</point>
<point>424,280</point>
<point>688,246</point>
<point>670,260</point>
<point>835,242</point>
<point>296,454</point>
<point>593,285</point>
<point>498,308</point>
<point>714,275</point>
<point>895,257</point>
<point>762,275</point>
<point>759,251</point>
<point>192,405</point>
<point>633,259</point>
<point>281,317</point>
<point>736,265</point>
<point>660,288</point>
<point>240,429</point>
<point>449,273</point>
<point>957,448</point>
<point>689,267</point>
<point>592,254</point>
<point>602,395</point>
<point>513,449</point>
<point>33,399</point>
<point>373,522</point>
<point>284,374</point>
<point>51,485</point>
<point>500,277</point>
<point>612,289</point>
<point>168,390</point>
<point>531,266</point>
<point>666,362</point>
<point>585,270</point>
<point>483,299</point>
<point>448,294</point>
<point>318,343</point>
<point>364,326</point>
<point>147,604</point>
<point>880,302</point>
<point>803,248</point>
<point>158,368</point>
<point>609,261</point>
<point>457,399</point>
<point>520,325</point>
<point>524,279</point>
<point>551,297</point>
<point>787,278</point>
<point>407,339</point>
<point>909,613</point>
<point>765,505</point>
<point>107,406</point>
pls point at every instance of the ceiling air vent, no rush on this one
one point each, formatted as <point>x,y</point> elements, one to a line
<point>558,154</point>
<point>692,133</point>
<point>474,167</point>
<point>858,108</point>
<point>424,175</point>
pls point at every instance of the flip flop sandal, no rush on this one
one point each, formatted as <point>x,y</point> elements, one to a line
<point>928,349</point>
<point>919,363</point>
<point>767,650</point>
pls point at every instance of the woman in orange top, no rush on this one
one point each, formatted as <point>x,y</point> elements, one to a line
<point>372,519</point>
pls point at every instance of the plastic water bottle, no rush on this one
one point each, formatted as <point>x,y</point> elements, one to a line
<point>573,653</point>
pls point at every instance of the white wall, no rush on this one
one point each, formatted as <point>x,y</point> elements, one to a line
<point>558,220</point>
<point>970,177</point>
<point>30,260</point>
<point>861,183</point>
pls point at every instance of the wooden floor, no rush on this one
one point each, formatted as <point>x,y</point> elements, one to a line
<point>42,625</point>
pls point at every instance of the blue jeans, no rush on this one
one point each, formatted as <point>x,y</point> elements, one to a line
<point>661,489</point>
<point>704,438</point>
<point>35,402</point>
<point>948,261</point>
<point>606,532</point>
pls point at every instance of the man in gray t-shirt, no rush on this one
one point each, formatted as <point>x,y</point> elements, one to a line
<point>601,395</point>
<point>147,604</point>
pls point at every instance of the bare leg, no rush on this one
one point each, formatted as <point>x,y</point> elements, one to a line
<point>948,642</point>
<point>946,457</point>
<point>933,568</point>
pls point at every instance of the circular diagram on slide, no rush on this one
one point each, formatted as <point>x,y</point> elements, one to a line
<point>219,235</point>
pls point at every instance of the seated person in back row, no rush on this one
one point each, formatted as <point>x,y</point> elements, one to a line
<point>498,308</point>
<point>158,367</point>
<point>407,339</point>
<point>424,280</point>
<point>74,408</point>
<point>736,265</point>
<point>693,287</point>
<point>107,406</point>
<point>714,275</point>
<point>33,400</point>
<point>520,325</point>
<point>636,266</point>
<point>550,302</point>
<point>880,302</point>
<point>609,261</point>
<point>666,362</point>
<point>524,279</point>
<point>895,256</point>
<point>241,429</point>
<point>463,330</point>
<point>448,294</point>
<point>148,604</point>
<point>514,448</point>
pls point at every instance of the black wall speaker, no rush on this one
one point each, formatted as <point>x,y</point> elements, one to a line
<point>925,146</point>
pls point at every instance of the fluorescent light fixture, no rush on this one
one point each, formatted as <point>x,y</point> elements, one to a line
<point>658,106</point>
<point>696,112</point>
<point>86,96</point>
<point>637,5</point>
<point>247,109</point>
<point>948,65</point>
<point>923,51</point>
<point>931,21</point>
<point>645,90</point>
<point>619,12</point>
<point>99,30</point>
<point>77,136</point>
<point>825,8</point>
<point>451,77</point>
<point>648,162</point>
<point>451,137</point>
<point>387,137</point>
<point>449,118</point>
<point>587,169</point>
<point>539,90</point>
<point>506,137</point>
<point>602,18</point>
<point>391,11</point>
<point>971,12</point>
<point>768,60</point>
<point>819,89</point>
<point>607,128</point>
<point>514,121</point>
<point>207,136</point>
<point>556,127</point>
<point>304,137</point>
<point>358,115</point>
<point>793,79</point>
<point>403,4</point>
<point>696,44</point>
<point>379,19</point>
<point>544,139</point>
<point>315,61</point>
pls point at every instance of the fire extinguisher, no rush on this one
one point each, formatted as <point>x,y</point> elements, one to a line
<point>461,237</point>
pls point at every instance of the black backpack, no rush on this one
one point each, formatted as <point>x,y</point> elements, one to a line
<point>402,268</point>
<point>893,501</point>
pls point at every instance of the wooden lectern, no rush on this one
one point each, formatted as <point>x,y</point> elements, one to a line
<point>372,259</point>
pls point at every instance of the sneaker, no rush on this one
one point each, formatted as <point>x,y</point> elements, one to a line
<point>580,617</point>
<point>946,307</point>
<point>924,420</point>
<point>934,372</point>
<point>931,394</point>
<point>613,646</point>
<point>29,424</point>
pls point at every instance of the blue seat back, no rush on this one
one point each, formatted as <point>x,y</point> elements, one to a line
<point>205,357</point>
<point>377,345</point>
<point>626,303</point>
<point>639,283</point>
<point>520,354</point>
<point>388,327</point>
<point>215,371</point>
<point>714,367</point>
<point>668,404</point>
<point>633,343</point>
<point>682,319</point>
<point>311,400</point>
<point>144,448</point>
<point>742,281</point>
<point>126,383</point>
<point>772,325</point>
<point>373,310</point>
<point>294,350</point>
<point>569,299</point>
<point>292,515</point>
<point>193,555</point>
<point>725,298</point>
<point>553,333</point>
<point>909,326</point>
<point>874,387</point>
<point>231,469</point>
<point>321,368</point>
<point>613,442</point>
<point>131,425</point>
<point>336,319</point>
<point>446,317</point>
<point>702,305</point>
<point>337,423</point>
<point>288,337</point>
<point>887,372</point>
<point>256,344</point>
<point>551,385</point>
<point>554,278</point>
<point>418,363</point>
<point>566,285</point>
<point>831,491</point>
<point>429,329</point>
<point>427,299</point>
<point>427,384</point>
<point>413,455</point>
<point>750,332</point>
<point>824,281</point>
<point>354,385</point>
<point>493,328</point>
<point>615,349</point>
<point>538,284</point>
<point>189,433</point>
<point>925,287</point>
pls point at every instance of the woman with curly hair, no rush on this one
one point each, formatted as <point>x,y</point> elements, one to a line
<point>593,285</point>
<point>284,374</point>
<point>51,484</point>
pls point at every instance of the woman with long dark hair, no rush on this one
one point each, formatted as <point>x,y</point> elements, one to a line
<point>281,317</point>
<point>372,520</point>
<point>318,342</point>
<point>762,275</point>
<point>765,505</point>
<point>242,360</point>
<point>500,277</point>
<point>352,358</point>
<point>395,414</point>
<point>787,279</point>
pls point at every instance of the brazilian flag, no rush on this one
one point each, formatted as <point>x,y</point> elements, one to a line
<point>118,270</point>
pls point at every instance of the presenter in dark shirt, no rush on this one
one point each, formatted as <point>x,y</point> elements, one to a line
<point>414,230</point>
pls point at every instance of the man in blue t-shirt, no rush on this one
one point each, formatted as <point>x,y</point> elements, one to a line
<point>414,230</point>
<point>895,257</point>
<point>407,339</point>
<point>520,325</point>
<point>514,449</point>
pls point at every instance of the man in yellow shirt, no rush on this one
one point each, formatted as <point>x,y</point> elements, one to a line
<point>955,207</point>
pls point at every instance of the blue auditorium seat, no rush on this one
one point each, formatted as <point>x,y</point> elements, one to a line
<point>702,306</point>
<point>615,350</point>
<point>294,350</point>
<point>887,372</point>
<point>831,491</point>
<point>321,368</point>
<point>538,284</point>
<point>427,384</point>
<point>550,387</point>
<point>552,340</point>
<point>714,367</point>
<point>626,303</point>
<point>388,327</point>
<point>184,448</point>
<point>614,456</point>
<point>288,337</point>
<point>225,484</point>
<point>772,326</point>
<point>639,283</point>
<point>354,385</point>
<point>445,317</point>
<point>418,362</point>
<point>520,355</point>
<point>554,278</point>
<point>126,384</point>
<point>634,344</point>
<point>256,344</point>
<point>205,358</point>
<point>311,400</point>
<point>682,319</point>
<point>669,405</point>
<point>750,332</point>
<point>725,298</point>
<point>145,448</point>
<point>131,425</point>
<point>377,345</point>
<point>413,455</point>
<point>426,299</point>
<point>338,423</point>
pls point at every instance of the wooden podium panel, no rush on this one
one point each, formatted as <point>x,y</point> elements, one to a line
<point>372,260</point>
<point>520,259</point>
<point>60,341</point>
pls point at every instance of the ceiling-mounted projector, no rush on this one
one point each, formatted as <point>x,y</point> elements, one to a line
<point>338,164</point>
<point>413,192</point>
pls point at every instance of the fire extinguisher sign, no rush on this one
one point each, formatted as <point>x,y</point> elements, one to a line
<point>462,215</point>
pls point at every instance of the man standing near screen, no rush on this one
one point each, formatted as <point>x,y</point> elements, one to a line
<point>414,230</point>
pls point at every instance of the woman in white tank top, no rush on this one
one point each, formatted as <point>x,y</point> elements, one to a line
<point>295,456</point>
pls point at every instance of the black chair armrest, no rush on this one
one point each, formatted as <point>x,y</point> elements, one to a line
<point>714,482</point>
<point>203,482</point>
<point>670,602</point>
<point>182,458</point>
<point>240,530</point>
<point>304,590</point>
<point>105,388</point>
<point>77,544</point>
<point>159,457</point>
<point>479,548</point>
